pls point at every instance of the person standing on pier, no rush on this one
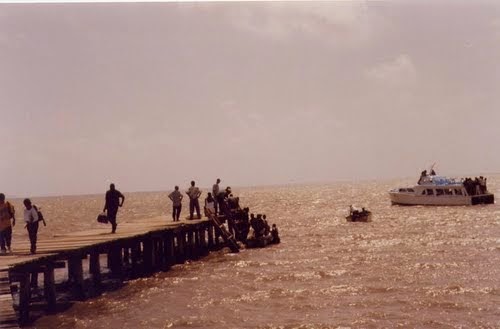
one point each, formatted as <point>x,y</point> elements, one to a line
<point>176,198</point>
<point>31,219</point>
<point>6,214</point>
<point>194,193</point>
<point>111,206</point>
<point>215,192</point>
<point>210,204</point>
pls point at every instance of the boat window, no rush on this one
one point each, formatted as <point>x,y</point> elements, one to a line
<point>402,190</point>
<point>430,191</point>
<point>423,192</point>
<point>411,190</point>
<point>439,191</point>
<point>448,191</point>
<point>458,191</point>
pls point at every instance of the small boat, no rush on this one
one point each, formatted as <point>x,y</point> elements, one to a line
<point>259,242</point>
<point>356,215</point>
<point>433,190</point>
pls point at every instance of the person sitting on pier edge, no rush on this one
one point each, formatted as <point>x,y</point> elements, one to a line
<point>275,234</point>
<point>7,213</point>
<point>210,204</point>
<point>176,197</point>
<point>112,204</point>
<point>194,193</point>
<point>31,219</point>
<point>422,175</point>
<point>215,193</point>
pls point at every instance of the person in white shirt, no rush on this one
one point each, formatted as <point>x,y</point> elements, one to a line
<point>194,193</point>
<point>31,219</point>
<point>176,198</point>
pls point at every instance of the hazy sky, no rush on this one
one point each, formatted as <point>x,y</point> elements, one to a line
<point>152,95</point>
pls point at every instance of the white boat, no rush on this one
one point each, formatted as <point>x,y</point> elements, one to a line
<point>435,190</point>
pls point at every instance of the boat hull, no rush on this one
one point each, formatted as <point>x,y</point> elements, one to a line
<point>443,200</point>
<point>260,242</point>
<point>360,217</point>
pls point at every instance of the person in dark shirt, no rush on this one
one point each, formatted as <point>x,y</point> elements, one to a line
<point>112,203</point>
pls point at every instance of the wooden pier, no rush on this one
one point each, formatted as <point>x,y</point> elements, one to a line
<point>136,249</point>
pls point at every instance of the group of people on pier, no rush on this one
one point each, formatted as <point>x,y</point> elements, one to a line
<point>222,202</point>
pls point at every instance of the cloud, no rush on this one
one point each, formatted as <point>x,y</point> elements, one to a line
<point>398,72</point>
<point>337,22</point>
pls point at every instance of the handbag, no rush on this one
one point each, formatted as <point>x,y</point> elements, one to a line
<point>102,218</point>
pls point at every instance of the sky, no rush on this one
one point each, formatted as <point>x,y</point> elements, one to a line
<point>152,95</point>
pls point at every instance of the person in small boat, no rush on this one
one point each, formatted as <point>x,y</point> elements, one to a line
<point>241,224</point>
<point>267,228</point>
<point>433,173</point>
<point>353,212</point>
<point>275,234</point>
<point>257,225</point>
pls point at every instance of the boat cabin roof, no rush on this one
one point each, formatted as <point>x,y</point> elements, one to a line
<point>434,180</point>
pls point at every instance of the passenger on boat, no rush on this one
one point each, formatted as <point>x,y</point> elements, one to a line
<point>422,175</point>
<point>482,183</point>
<point>275,234</point>
<point>433,173</point>
<point>353,212</point>
<point>257,225</point>
<point>477,186</point>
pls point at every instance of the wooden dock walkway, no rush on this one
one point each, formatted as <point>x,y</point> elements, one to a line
<point>136,249</point>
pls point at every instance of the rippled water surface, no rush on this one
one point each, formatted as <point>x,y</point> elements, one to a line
<point>419,267</point>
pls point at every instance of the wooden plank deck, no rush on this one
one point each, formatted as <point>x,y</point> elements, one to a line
<point>77,240</point>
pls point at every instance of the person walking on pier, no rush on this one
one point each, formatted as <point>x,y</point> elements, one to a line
<point>7,213</point>
<point>176,198</point>
<point>215,192</point>
<point>31,219</point>
<point>194,193</point>
<point>111,206</point>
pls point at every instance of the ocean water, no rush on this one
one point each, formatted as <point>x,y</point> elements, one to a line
<point>411,267</point>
